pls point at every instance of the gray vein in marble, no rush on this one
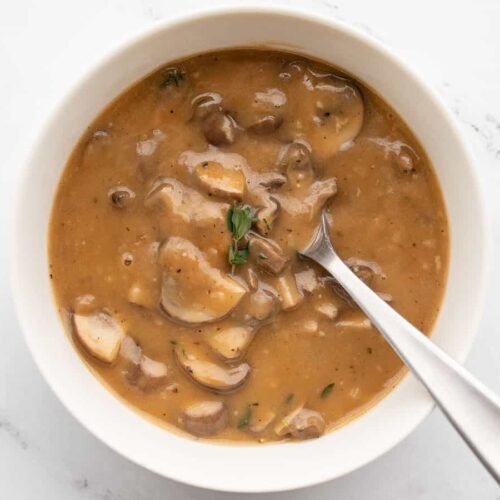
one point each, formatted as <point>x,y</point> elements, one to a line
<point>484,124</point>
<point>11,430</point>
<point>334,11</point>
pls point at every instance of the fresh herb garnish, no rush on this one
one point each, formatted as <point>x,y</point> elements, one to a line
<point>239,221</point>
<point>173,76</point>
<point>327,390</point>
<point>289,398</point>
<point>245,419</point>
<point>238,256</point>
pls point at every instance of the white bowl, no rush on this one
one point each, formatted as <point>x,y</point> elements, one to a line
<point>245,468</point>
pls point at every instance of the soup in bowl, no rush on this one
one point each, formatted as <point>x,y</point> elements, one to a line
<point>173,224</point>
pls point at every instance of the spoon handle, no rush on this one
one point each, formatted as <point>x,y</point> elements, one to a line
<point>471,407</point>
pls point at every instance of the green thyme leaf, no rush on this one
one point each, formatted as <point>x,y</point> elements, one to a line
<point>172,76</point>
<point>239,221</point>
<point>326,390</point>
<point>289,398</point>
<point>238,256</point>
<point>245,419</point>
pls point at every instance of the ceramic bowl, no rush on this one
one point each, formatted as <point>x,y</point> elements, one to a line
<point>245,468</point>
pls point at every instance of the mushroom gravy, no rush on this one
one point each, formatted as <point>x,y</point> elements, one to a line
<point>174,237</point>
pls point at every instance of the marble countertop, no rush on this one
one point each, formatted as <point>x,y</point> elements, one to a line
<point>44,47</point>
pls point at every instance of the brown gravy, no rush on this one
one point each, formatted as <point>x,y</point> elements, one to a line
<point>265,347</point>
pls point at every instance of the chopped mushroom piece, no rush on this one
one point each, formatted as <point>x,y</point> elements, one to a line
<point>149,374</point>
<point>192,290</point>
<point>204,104</point>
<point>205,418</point>
<point>295,159</point>
<point>100,334</point>
<point>130,350</point>
<point>121,197</point>
<point>212,376</point>
<point>307,280</point>
<point>268,255</point>
<point>266,215</point>
<point>219,128</point>
<point>182,211</point>
<point>231,342</point>
<point>308,200</point>
<point>288,293</point>
<point>182,204</point>
<point>301,424</point>
<point>261,305</point>
<point>220,181</point>
<point>251,278</point>
<point>328,309</point>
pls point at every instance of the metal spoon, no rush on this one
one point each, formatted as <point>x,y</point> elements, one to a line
<point>472,408</point>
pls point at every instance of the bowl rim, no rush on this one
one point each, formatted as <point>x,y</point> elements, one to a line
<point>145,33</point>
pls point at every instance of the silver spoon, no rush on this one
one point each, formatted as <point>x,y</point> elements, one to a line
<point>472,408</point>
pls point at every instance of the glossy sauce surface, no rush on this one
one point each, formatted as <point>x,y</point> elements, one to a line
<point>265,347</point>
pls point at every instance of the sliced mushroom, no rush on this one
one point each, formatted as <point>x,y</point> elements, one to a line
<point>229,342</point>
<point>307,201</point>
<point>330,107</point>
<point>182,211</point>
<point>339,115</point>
<point>220,181</point>
<point>261,112</point>
<point>192,290</point>
<point>205,418</point>
<point>205,103</point>
<point>266,215</point>
<point>99,333</point>
<point>320,193</point>
<point>121,197</point>
<point>288,293</point>
<point>130,350</point>
<point>150,374</point>
<point>184,204</point>
<point>266,125</point>
<point>302,423</point>
<point>295,159</point>
<point>306,280</point>
<point>268,255</point>
<point>210,375</point>
<point>219,128</point>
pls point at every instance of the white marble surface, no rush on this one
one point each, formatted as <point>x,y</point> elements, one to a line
<point>44,47</point>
